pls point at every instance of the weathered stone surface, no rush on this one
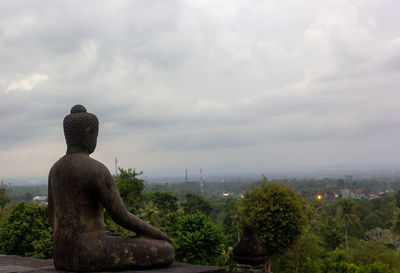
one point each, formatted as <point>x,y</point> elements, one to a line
<point>250,250</point>
<point>246,268</point>
<point>80,188</point>
<point>14,264</point>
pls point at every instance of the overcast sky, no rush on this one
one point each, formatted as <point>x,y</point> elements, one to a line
<point>227,86</point>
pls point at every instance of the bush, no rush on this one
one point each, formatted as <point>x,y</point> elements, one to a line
<point>26,232</point>
<point>199,241</point>
<point>335,263</point>
<point>367,252</point>
<point>378,267</point>
<point>164,201</point>
<point>195,203</point>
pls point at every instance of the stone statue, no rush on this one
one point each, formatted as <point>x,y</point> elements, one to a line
<point>80,188</point>
<point>250,252</point>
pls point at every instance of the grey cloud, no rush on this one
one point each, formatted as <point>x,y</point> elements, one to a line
<point>187,77</point>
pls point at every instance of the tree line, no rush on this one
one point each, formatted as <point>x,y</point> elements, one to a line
<point>302,233</point>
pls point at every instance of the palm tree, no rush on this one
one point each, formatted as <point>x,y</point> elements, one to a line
<point>345,214</point>
<point>236,223</point>
<point>396,222</point>
<point>150,214</point>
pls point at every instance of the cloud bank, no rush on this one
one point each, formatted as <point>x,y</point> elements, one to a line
<point>222,85</point>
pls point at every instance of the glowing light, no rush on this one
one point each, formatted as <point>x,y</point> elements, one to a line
<point>319,196</point>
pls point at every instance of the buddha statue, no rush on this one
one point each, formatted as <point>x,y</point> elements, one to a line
<point>80,188</point>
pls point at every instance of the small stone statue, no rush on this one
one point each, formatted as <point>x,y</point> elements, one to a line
<point>250,252</point>
<point>80,188</point>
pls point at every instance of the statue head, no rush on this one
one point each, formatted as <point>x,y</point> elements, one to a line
<point>80,130</point>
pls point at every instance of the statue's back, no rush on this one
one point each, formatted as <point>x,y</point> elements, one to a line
<point>79,190</point>
<point>72,188</point>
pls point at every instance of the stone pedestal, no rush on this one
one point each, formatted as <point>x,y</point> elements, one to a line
<point>250,252</point>
<point>17,264</point>
<point>249,268</point>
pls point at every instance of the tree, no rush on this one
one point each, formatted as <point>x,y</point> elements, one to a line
<point>396,223</point>
<point>345,215</point>
<point>229,220</point>
<point>195,203</point>
<point>151,214</point>
<point>4,198</point>
<point>277,211</point>
<point>27,232</point>
<point>397,197</point>
<point>130,188</point>
<point>131,191</point>
<point>369,252</point>
<point>335,263</point>
<point>382,237</point>
<point>308,245</point>
<point>378,267</point>
<point>199,241</point>
<point>161,210</point>
<point>372,221</point>
<point>164,201</point>
<point>5,206</point>
<point>304,256</point>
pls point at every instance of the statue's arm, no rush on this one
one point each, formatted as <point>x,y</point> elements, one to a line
<point>112,202</point>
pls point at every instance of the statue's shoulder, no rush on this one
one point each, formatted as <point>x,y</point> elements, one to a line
<point>57,165</point>
<point>98,164</point>
<point>95,167</point>
<point>79,161</point>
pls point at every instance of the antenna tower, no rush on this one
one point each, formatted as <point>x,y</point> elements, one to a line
<point>186,180</point>
<point>201,181</point>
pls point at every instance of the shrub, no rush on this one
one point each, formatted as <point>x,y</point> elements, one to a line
<point>26,232</point>
<point>199,241</point>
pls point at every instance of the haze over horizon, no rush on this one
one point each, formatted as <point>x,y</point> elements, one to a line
<point>233,86</point>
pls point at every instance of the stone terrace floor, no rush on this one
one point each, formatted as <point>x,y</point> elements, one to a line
<point>17,264</point>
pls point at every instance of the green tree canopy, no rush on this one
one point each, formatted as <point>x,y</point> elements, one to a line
<point>130,187</point>
<point>195,203</point>
<point>164,201</point>
<point>199,241</point>
<point>371,221</point>
<point>397,198</point>
<point>4,198</point>
<point>396,222</point>
<point>346,214</point>
<point>27,232</point>
<point>277,211</point>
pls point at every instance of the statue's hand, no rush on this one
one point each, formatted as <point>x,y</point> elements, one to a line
<point>164,237</point>
<point>161,236</point>
<point>158,234</point>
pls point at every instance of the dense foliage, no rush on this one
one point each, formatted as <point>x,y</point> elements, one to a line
<point>371,226</point>
<point>164,201</point>
<point>199,241</point>
<point>345,214</point>
<point>4,198</point>
<point>195,203</point>
<point>130,188</point>
<point>26,232</point>
<point>277,211</point>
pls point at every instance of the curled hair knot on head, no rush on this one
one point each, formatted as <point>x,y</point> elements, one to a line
<point>78,108</point>
<point>77,124</point>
